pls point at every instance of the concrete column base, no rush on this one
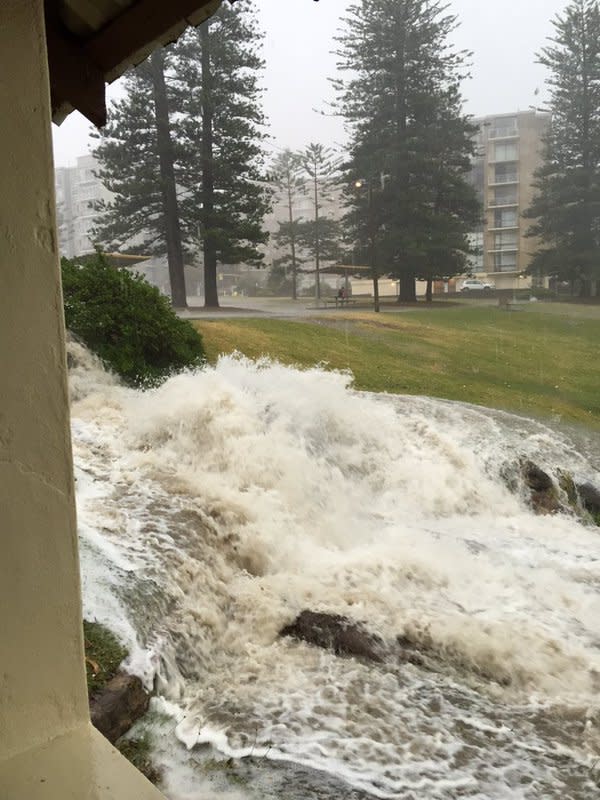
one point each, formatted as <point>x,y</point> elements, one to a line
<point>82,765</point>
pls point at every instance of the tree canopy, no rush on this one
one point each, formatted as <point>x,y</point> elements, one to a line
<point>221,131</point>
<point>289,183</point>
<point>212,109</point>
<point>411,143</point>
<point>566,205</point>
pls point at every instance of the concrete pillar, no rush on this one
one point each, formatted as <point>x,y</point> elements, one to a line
<point>40,636</point>
<point>48,748</point>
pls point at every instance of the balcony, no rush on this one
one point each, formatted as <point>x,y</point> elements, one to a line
<point>512,177</point>
<point>504,133</point>
<point>504,269</point>
<point>508,203</point>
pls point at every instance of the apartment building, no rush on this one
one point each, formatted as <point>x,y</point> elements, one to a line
<point>508,153</point>
<point>77,189</point>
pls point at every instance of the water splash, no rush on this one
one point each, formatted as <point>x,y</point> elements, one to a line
<point>215,508</point>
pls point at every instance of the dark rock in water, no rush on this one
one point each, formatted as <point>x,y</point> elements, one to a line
<point>337,633</point>
<point>547,497</point>
<point>590,497</point>
<point>545,502</point>
<point>413,652</point>
<point>118,705</point>
<point>536,478</point>
<point>544,494</point>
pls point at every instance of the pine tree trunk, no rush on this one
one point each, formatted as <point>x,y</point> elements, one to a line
<point>589,111</point>
<point>292,244</point>
<point>294,276</point>
<point>167,179</point>
<point>211,295</point>
<point>317,241</point>
<point>376,304</point>
<point>408,287</point>
<point>429,290</point>
<point>373,247</point>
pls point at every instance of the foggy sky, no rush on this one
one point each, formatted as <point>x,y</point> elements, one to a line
<point>504,37</point>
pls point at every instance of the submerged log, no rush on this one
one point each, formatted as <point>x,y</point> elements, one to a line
<point>337,633</point>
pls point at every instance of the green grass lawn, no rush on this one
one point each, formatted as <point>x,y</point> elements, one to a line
<point>539,362</point>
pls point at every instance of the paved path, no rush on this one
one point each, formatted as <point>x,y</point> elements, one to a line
<point>277,307</point>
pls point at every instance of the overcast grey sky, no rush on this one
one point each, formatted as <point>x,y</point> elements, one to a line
<point>504,38</point>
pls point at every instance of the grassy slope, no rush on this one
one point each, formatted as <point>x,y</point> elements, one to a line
<point>104,654</point>
<point>536,362</point>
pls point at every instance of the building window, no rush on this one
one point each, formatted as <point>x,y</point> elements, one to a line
<point>87,191</point>
<point>506,218</point>
<point>504,126</point>
<point>505,262</point>
<point>505,173</point>
<point>506,151</point>
<point>505,196</point>
<point>507,240</point>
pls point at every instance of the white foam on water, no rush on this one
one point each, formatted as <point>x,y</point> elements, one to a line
<point>215,508</point>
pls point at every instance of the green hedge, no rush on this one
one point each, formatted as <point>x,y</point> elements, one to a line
<point>127,322</point>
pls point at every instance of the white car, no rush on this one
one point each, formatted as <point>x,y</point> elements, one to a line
<point>473,285</point>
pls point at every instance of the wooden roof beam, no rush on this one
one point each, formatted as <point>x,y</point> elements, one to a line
<point>140,25</point>
<point>74,78</point>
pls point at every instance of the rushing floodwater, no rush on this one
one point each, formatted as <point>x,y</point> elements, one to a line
<point>217,507</point>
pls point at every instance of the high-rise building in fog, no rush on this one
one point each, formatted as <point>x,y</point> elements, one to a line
<point>509,150</point>
<point>77,189</point>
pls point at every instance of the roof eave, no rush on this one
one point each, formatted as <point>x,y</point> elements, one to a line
<point>80,67</point>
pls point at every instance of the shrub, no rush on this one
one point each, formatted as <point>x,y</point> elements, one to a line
<point>127,322</point>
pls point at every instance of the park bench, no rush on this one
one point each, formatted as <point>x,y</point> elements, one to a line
<point>339,301</point>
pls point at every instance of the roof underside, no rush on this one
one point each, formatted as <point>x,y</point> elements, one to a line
<point>92,42</point>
